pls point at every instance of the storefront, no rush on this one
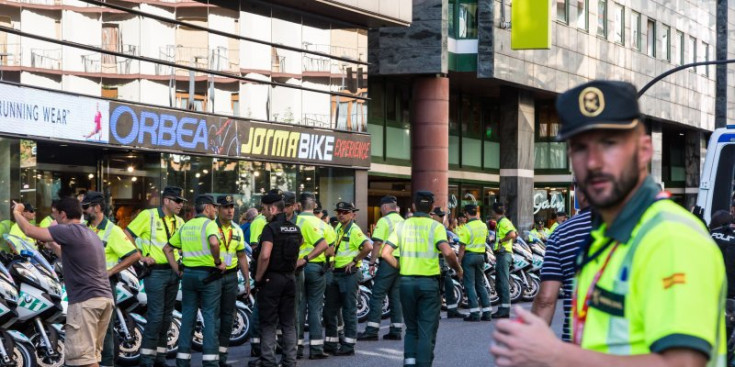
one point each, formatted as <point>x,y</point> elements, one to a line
<point>549,200</point>
<point>54,144</point>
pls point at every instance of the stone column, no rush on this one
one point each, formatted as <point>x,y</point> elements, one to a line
<point>517,123</point>
<point>430,137</point>
<point>693,162</point>
<point>361,198</point>
<point>656,159</point>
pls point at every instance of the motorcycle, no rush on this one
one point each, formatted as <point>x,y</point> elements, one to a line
<point>365,293</point>
<point>39,309</point>
<point>16,350</point>
<point>128,329</point>
<point>523,263</point>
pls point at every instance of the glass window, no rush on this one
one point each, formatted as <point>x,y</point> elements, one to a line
<point>635,23</point>
<point>666,42</point>
<point>471,132</point>
<point>679,53</point>
<point>692,51</point>
<point>452,26</point>
<point>397,132</point>
<point>549,154</point>
<point>562,11</point>
<point>335,185</point>
<point>619,24</point>
<point>651,38</point>
<point>583,14</point>
<point>491,140</point>
<point>467,22</point>
<point>706,57</point>
<point>454,129</point>
<point>602,18</point>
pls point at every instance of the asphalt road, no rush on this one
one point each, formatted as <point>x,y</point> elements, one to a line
<point>459,343</point>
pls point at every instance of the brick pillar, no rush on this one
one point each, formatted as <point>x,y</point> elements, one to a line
<point>517,124</point>
<point>430,137</point>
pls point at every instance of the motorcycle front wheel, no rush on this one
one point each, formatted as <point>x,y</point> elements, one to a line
<point>22,355</point>
<point>172,343</point>
<point>240,327</point>
<point>129,350</point>
<point>43,359</point>
<point>516,290</point>
<point>363,306</point>
<point>530,292</point>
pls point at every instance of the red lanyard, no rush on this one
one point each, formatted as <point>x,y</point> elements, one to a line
<point>580,316</point>
<point>224,238</point>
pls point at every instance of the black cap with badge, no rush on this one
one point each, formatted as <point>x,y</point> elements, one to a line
<point>205,199</point>
<point>92,197</point>
<point>225,200</point>
<point>289,197</point>
<point>272,196</point>
<point>388,199</point>
<point>346,207</point>
<point>174,192</point>
<point>599,104</point>
<point>424,197</point>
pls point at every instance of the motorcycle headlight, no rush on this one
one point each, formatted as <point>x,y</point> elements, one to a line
<point>25,273</point>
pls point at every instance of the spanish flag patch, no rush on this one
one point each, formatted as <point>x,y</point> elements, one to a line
<point>677,278</point>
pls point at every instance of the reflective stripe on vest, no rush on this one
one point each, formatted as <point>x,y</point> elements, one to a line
<point>205,244</point>
<point>618,332</point>
<point>151,241</point>
<point>416,260</point>
<point>477,240</point>
<point>306,248</point>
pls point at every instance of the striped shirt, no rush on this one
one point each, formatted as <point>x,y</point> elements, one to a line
<point>559,259</point>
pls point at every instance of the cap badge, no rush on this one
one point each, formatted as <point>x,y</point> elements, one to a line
<point>591,102</point>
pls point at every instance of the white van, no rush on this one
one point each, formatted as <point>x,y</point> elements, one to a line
<point>717,185</point>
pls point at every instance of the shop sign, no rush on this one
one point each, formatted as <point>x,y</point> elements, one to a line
<point>542,201</point>
<point>157,128</point>
<point>30,111</point>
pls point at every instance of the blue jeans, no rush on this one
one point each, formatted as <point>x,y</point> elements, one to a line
<point>161,287</point>
<point>474,282</point>
<point>196,295</point>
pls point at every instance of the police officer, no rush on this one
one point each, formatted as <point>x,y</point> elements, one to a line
<point>120,254</point>
<point>201,284</point>
<point>311,286</point>
<point>650,286</point>
<point>289,199</point>
<point>561,217</point>
<point>256,229</point>
<point>385,281</point>
<point>154,227</point>
<point>29,213</point>
<point>276,282</point>
<point>420,241</point>
<point>472,257</point>
<point>539,232</point>
<point>232,249</point>
<point>505,235</point>
<point>342,282</point>
<point>449,298</point>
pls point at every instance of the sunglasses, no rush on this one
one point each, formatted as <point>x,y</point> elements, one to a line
<point>343,212</point>
<point>85,206</point>
<point>176,200</point>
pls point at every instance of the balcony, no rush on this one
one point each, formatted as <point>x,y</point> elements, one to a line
<point>10,54</point>
<point>46,58</point>
<point>355,54</point>
<point>110,64</point>
<point>218,59</point>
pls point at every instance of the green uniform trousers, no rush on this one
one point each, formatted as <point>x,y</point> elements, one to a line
<point>310,292</point>
<point>198,295</point>
<point>386,282</point>
<point>227,313</point>
<point>161,287</point>
<point>341,293</point>
<point>421,301</point>
<point>473,265</point>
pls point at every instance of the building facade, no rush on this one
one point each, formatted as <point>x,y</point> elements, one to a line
<point>449,92</point>
<point>218,97</point>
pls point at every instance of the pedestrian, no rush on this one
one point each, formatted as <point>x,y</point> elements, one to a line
<point>449,297</point>
<point>650,285</point>
<point>472,257</point>
<point>560,217</point>
<point>120,254</point>
<point>276,282</point>
<point>256,229</point>
<point>232,251</point>
<point>248,218</point>
<point>505,235</point>
<point>29,213</point>
<point>420,240</point>
<point>311,283</point>
<point>558,269</point>
<point>201,280</point>
<point>154,228</point>
<point>385,277</point>
<point>342,283</point>
<point>87,284</point>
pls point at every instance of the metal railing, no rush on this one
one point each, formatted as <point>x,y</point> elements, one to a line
<point>46,58</point>
<point>11,54</point>
<point>278,63</point>
<point>316,63</point>
<point>356,54</point>
<point>95,63</point>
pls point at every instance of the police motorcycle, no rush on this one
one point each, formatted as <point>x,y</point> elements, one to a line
<point>365,293</point>
<point>40,312</point>
<point>523,265</point>
<point>128,325</point>
<point>16,350</point>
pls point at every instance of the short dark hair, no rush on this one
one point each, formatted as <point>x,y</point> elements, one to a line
<point>498,208</point>
<point>280,205</point>
<point>55,204</point>
<point>423,206</point>
<point>720,218</point>
<point>71,207</point>
<point>199,208</point>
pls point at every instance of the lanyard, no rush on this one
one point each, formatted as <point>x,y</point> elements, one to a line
<point>580,316</point>
<point>224,238</point>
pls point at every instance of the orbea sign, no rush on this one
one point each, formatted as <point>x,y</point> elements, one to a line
<point>158,128</point>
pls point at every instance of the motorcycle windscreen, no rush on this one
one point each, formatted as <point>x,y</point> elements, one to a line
<point>19,246</point>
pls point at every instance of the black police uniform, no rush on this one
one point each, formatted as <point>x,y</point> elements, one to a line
<point>725,238</point>
<point>277,290</point>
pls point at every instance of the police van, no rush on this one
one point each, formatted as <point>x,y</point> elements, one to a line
<point>717,185</point>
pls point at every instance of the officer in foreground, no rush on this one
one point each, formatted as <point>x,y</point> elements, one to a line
<point>420,240</point>
<point>651,284</point>
<point>154,227</point>
<point>386,277</point>
<point>504,237</point>
<point>232,249</point>
<point>276,283</point>
<point>472,257</point>
<point>201,283</point>
<point>120,254</point>
<point>341,291</point>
